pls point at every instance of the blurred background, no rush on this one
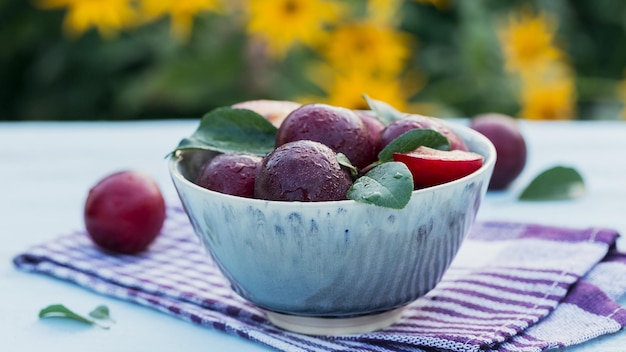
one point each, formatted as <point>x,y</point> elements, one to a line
<point>153,59</point>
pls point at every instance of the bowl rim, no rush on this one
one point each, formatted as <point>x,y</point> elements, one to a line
<point>489,160</point>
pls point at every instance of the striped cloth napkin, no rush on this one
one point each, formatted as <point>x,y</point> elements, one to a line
<point>512,287</point>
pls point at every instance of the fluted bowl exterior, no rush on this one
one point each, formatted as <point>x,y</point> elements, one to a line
<point>339,258</point>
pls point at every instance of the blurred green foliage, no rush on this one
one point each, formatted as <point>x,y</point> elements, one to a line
<point>143,73</point>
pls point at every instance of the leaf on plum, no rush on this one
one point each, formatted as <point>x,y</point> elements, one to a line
<point>555,183</point>
<point>232,130</point>
<point>385,112</point>
<point>413,139</point>
<point>387,185</point>
<point>343,160</point>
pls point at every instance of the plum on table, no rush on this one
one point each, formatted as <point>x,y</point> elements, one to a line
<point>503,131</point>
<point>124,212</point>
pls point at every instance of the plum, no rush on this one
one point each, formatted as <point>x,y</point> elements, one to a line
<point>230,173</point>
<point>339,128</point>
<point>302,170</point>
<point>503,131</point>
<point>431,167</point>
<point>400,126</point>
<point>275,111</point>
<point>375,126</point>
<point>124,212</point>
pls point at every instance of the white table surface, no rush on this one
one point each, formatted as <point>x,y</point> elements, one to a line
<point>46,170</point>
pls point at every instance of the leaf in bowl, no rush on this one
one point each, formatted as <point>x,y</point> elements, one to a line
<point>385,112</point>
<point>232,130</point>
<point>343,160</point>
<point>413,139</point>
<point>387,185</point>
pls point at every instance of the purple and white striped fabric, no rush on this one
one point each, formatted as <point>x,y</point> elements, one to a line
<point>512,287</point>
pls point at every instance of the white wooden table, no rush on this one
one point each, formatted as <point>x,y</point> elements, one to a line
<point>46,170</point>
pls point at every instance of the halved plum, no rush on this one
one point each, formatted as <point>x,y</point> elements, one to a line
<point>431,167</point>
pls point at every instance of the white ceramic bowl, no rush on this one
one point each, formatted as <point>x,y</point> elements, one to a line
<point>334,267</point>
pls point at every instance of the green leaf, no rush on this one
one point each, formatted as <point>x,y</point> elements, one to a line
<point>385,112</point>
<point>343,160</point>
<point>387,185</point>
<point>556,183</point>
<point>60,311</point>
<point>101,312</point>
<point>413,139</point>
<point>232,130</point>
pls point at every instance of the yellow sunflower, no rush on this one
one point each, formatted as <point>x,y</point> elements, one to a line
<point>346,88</point>
<point>181,12</point>
<point>107,16</point>
<point>367,46</point>
<point>384,11</point>
<point>527,41</point>
<point>549,95</point>
<point>285,23</point>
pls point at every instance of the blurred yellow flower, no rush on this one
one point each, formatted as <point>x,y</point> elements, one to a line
<point>527,41</point>
<point>384,11</point>
<point>284,23</point>
<point>346,88</point>
<point>367,46</point>
<point>108,16</point>
<point>181,12</point>
<point>549,96</point>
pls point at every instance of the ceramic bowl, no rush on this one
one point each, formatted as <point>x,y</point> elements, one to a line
<point>334,267</point>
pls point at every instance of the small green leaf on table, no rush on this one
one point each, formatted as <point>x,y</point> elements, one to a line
<point>101,312</point>
<point>387,185</point>
<point>61,311</point>
<point>555,183</point>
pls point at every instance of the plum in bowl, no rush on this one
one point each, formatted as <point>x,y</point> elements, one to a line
<point>334,267</point>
